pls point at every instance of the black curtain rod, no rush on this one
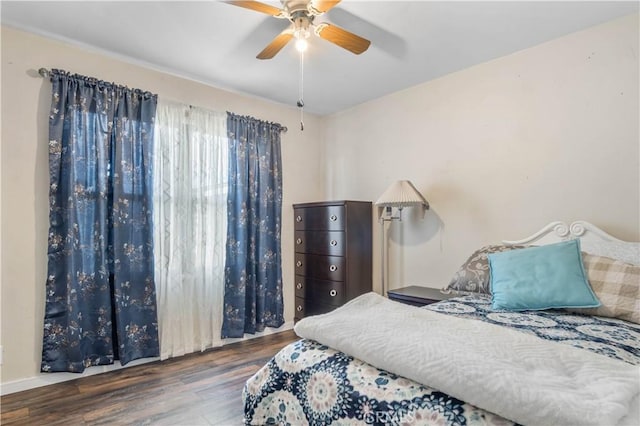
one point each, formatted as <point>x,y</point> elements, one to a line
<point>44,73</point>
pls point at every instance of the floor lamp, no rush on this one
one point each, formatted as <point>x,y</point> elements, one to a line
<point>399,195</point>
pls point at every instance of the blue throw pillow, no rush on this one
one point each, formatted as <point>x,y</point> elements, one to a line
<point>537,278</point>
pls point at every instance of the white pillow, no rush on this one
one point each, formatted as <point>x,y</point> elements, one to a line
<point>624,252</point>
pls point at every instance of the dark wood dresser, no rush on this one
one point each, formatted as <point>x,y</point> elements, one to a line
<point>332,254</point>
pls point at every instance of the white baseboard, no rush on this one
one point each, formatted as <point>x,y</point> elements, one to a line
<point>45,379</point>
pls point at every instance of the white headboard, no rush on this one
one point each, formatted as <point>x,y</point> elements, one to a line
<point>592,240</point>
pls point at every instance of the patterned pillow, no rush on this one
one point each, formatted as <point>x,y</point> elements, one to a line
<point>473,275</point>
<point>617,285</point>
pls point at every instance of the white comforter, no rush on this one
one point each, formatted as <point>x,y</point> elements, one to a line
<point>515,375</point>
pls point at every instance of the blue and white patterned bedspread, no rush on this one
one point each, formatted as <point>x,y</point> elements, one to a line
<point>607,336</point>
<point>309,383</point>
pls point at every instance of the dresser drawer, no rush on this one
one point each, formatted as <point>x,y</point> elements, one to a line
<point>300,311</point>
<point>318,308</point>
<point>321,291</point>
<point>305,308</point>
<point>330,218</point>
<point>320,242</point>
<point>320,267</point>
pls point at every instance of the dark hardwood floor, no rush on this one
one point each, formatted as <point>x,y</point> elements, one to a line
<point>197,389</point>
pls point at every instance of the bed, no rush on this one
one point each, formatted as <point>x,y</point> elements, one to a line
<point>480,358</point>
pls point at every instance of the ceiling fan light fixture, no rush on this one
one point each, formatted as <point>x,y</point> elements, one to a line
<point>301,33</point>
<point>301,44</point>
<point>301,14</point>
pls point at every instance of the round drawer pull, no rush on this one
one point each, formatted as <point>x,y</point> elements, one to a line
<point>333,218</point>
<point>298,263</point>
<point>333,293</point>
<point>299,286</point>
<point>333,243</point>
<point>333,268</point>
<point>298,218</point>
<point>299,308</point>
<point>299,241</point>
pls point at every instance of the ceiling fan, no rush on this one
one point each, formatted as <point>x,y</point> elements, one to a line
<point>302,13</point>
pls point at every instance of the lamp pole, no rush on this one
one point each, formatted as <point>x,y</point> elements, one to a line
<point>387,216</point>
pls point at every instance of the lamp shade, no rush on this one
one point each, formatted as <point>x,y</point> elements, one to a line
<point>401,194</point>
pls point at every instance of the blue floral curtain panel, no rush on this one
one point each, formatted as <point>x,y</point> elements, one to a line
<point>100,292</point>
<point>253,270</point>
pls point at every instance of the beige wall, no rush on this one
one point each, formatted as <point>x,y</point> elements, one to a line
<point>24,177</point>
<point>500,150</point>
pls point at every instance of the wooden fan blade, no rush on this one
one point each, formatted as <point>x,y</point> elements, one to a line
<point>323,6</point>
<point>276,45</point>
<point>257,6</point>
<point>342,38</point>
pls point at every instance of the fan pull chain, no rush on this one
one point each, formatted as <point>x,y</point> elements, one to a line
<point>301,91</point>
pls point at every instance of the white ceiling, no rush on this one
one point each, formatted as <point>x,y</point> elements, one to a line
<point>216,43</point>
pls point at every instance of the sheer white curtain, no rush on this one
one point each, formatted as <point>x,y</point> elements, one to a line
<point>190,196</point>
